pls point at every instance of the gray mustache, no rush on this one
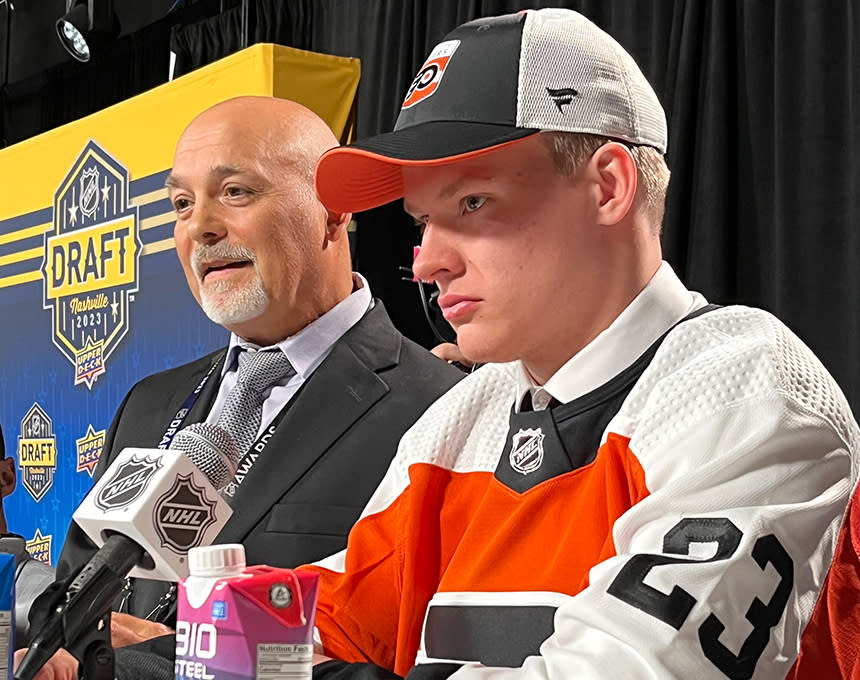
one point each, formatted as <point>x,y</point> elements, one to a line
<point>203,254</point>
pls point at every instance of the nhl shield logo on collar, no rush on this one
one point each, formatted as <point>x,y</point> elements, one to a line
<point>527,450</point>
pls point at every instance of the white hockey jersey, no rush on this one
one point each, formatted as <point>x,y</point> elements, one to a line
<point>676,522</point>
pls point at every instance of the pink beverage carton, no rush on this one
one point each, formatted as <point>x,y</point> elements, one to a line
<point>236,622</point>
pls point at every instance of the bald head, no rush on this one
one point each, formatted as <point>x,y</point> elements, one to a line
<point>282,130</point>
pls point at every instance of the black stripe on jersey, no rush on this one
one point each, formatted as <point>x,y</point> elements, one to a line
<point>498,635</point>
<point>341,670</point>
<point>572,431</point>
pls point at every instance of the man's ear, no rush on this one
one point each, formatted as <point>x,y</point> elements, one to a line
<point>613,173</point>
<point>8,479</point>
<point>336,224</point>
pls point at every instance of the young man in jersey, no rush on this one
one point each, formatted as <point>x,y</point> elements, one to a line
<point>636,484</point>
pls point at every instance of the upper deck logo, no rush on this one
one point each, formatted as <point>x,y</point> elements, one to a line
<point>37,452</point>
<point>90,264</point>
<point>90,450</point>
<point>39,547</point>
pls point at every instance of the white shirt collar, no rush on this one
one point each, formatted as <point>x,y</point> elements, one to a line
<point>307,348</point>
<point>658,307</point>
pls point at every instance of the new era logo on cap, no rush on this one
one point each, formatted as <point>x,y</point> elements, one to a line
<point>430,75</point>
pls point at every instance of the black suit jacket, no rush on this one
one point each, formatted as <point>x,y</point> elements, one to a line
<point>329,452</point>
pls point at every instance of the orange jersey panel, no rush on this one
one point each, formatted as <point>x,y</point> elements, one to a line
<point>470,533</point>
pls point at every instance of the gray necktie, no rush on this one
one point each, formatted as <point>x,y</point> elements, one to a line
<point>243,409</point>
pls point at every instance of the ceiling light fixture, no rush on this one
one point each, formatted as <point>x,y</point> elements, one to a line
<point>86,25</point>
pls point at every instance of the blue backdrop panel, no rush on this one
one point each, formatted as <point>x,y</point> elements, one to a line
<point>165,328</point>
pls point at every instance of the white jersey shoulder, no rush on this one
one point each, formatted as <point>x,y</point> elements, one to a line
<point>465,429</point>
<point>731,359</point>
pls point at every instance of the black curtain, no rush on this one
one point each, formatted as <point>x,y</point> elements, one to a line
<point>763,103</point>
<point>69,91</point>
<point>43,87</point>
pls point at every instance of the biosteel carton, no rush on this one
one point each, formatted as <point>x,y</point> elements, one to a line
<point>236,622</point>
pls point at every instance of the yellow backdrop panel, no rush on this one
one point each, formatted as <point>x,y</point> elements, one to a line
<point>143,130</point>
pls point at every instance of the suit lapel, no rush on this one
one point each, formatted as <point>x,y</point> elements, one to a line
<point>147,593</point>
<point>338,393</point>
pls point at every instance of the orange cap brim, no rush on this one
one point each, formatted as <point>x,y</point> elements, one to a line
<point>349,179</point>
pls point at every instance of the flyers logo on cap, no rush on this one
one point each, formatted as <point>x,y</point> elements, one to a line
<point>430,75</point>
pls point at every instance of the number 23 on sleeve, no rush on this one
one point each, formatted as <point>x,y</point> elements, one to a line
<point>630,587</point>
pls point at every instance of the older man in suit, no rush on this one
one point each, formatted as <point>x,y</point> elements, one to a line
<point>268,262</point>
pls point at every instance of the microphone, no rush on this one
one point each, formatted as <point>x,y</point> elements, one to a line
<point>164,500</point>
<point>211,449</point>
<point>149,508</point>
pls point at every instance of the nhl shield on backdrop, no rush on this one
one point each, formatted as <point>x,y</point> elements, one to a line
<point>527,450</point>
<point>127,483</point>
<point>90,264</point>
<point>183,514</point>
<point>37,452</point>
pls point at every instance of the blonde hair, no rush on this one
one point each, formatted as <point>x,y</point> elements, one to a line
<point>571,151</point>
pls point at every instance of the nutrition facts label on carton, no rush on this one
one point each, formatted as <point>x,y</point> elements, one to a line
<point>5,641</point>
<point>284,662</point>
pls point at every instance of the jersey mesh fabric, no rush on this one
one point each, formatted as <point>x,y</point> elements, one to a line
<point>733,424</point>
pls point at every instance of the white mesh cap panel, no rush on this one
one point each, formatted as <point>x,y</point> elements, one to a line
<point>562,50</point>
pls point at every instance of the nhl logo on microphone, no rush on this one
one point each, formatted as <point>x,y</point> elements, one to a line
<point>527,450</point>
<point>128,483</point>
<point>183,514</point>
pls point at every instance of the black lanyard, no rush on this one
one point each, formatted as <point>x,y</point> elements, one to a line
<point>177,421</point>
<point>250,456</point>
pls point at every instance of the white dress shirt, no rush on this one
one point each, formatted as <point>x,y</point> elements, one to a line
<point>306,350</point>
<point>660,305</point>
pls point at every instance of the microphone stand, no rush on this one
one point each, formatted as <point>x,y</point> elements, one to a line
<point>94,651</point>
<point>79,617</point>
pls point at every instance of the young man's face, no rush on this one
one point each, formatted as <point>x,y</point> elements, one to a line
<point>515,251</point>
